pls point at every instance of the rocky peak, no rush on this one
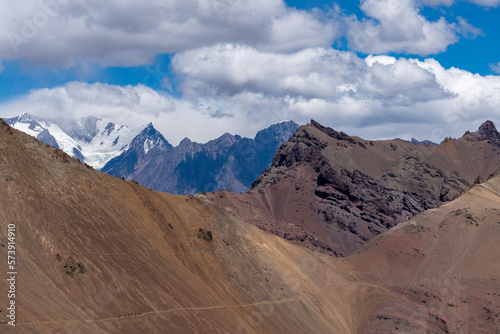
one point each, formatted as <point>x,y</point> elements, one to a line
<point>185,142</point>
<point>149,129</point>
<point>188,147</point>
<point>487,131</point>
<point>332,133</point>
<point>426,141</point>
<point>305,140</point>
<point>224,141</point>
<point>25,118</point>
<point>153,138</point>
<point>280,132</point>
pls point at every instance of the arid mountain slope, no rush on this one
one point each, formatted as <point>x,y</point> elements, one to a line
<point>331,192</point>
<point>446,260</point>
<point>96,254</point>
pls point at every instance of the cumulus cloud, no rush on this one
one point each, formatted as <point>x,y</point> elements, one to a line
<point>310,73</point>
<point>398,26</point>
<point>342,90</point>
<point>200,120</point>
<point>107,101</point>
<point>129,32</point>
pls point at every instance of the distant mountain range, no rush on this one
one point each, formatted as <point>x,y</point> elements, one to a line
<point>428,142</point>
<point>229,162</point>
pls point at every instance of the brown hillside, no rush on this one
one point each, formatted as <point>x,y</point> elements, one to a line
<point>446,260</point>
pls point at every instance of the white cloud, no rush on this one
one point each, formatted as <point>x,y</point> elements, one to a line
<point>372,97</point>
<point>495,67</point>
<point>467,30</point>
<point>397,26</point>
<point>384,60</point>
<point>107,101</point>
<point>485,3</point>
<point>200,120</point>
<point>298,30</point>
<point>310,73</point>
<point>65,33</point>
<point>130,32</point>
<point>376,97</point>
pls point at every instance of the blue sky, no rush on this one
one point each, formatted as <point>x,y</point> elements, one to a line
<point>198,68</point>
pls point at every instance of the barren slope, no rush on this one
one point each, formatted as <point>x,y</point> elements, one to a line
<point>446,260</point>
<point>331,192</point>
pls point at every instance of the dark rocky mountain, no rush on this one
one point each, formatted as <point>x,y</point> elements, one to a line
<point>332,192</point>
<point>147,141</point>
<point>428,142</point>
<point>228,162</point>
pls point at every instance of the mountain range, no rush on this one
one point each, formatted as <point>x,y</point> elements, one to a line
<point>98,254</point>
<point>226,163</point>
<point>144,155</point>
<point>331,192</point>
<point>428,142</point>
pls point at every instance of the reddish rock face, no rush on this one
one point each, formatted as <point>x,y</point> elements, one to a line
<point>331,192</point>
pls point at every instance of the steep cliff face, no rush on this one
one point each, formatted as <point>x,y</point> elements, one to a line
<point>331,192</point>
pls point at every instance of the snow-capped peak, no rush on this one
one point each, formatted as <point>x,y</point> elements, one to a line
<point>90,139</point>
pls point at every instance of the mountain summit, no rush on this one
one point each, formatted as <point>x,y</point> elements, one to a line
<point>487,131</point>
